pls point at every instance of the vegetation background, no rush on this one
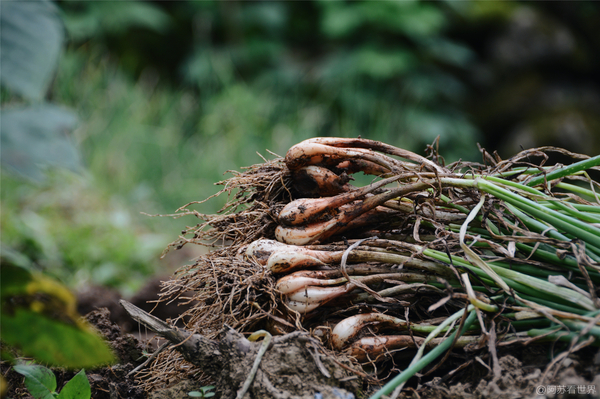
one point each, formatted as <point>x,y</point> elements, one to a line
<point>170,95</point>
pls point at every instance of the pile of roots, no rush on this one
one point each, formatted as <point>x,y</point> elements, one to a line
<point>425,256</point>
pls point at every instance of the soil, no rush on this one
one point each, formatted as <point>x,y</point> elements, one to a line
<point>289,370</point>
<point>518,379</point>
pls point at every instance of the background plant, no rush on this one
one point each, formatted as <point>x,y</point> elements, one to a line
<point>39,315</point>
<point>41,383</point>
<point>204,392</point>
<point>169,95</point>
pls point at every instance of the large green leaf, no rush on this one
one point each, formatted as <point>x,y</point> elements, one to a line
<point>39,380</point>
<point>37,136</point>
<point>94,19</point>
<point>384,64</point>
<point>13,280</point>
<point>39,317</point>
<point>52,341</point>
<point>77,388</point>
<point>31,35</point>
<point>412,18</point>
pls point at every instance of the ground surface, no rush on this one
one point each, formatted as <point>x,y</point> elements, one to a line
<point>461,376</point>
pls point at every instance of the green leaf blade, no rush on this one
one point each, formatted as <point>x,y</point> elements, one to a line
<point>37,136</point>
<point>51,330</point>
<point>78,388</point>
<point>60,344</point>
<point>31,36</point>
<point>39,380</point>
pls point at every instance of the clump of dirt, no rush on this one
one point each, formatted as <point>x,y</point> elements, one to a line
<point>128,349</point>
<point>518,379</point>
<point>95,297</point>
<point>292,366</point>
<point>513,379</point>
<point>116,381</point>
<point>177,391</point>
<point>292,369</point>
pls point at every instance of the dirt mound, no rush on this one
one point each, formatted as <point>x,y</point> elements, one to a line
<point>579,378</point>
<point>293,369</point>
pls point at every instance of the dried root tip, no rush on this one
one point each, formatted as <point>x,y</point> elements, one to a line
<point>373,219</point>
<point>373,348</point>
<point>262,249</point>
<point>352,166</point>
<point>309,210</point>
<point>310,297</point>
<point>369,349</point>
<point>349,218</point>
<point>302,307</point>
<point>306,211</point>
<point>348,328</point>
<point>295,282</point>
<point>317,181</point>
<point>375,146</point>
<point>283,261</point>
<point>302,235</point>
<point>282,258</point>
<point>321,295</point>
<point>307,153</point>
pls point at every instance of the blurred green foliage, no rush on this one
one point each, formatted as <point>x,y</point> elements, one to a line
<point>241,78</point>
<point>170,95</point>
<point>75,233</point>
<point>53,220</point>
<point>32,134</point>
<point>31,37</point>
<point>39,317</point>
<point>382,70</point>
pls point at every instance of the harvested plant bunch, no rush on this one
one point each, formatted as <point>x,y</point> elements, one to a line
<point>426,256</point>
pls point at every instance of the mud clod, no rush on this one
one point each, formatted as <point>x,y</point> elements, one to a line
<point>114,382</point>
<point>293,367</point>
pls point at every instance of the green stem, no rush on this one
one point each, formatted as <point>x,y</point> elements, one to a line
<point>579,326</point>
<point>577,228</point>
<point>590,234</point>
<point>589,218</point>
<point>565,171</point>
<point>552,304</point>
<point>516,186</point>
<point>523,325</point>
<point>522,283</point>
<point>583,192</point>
<point>555,336</point>
<point>581,207</point>
<point>541,227</point>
